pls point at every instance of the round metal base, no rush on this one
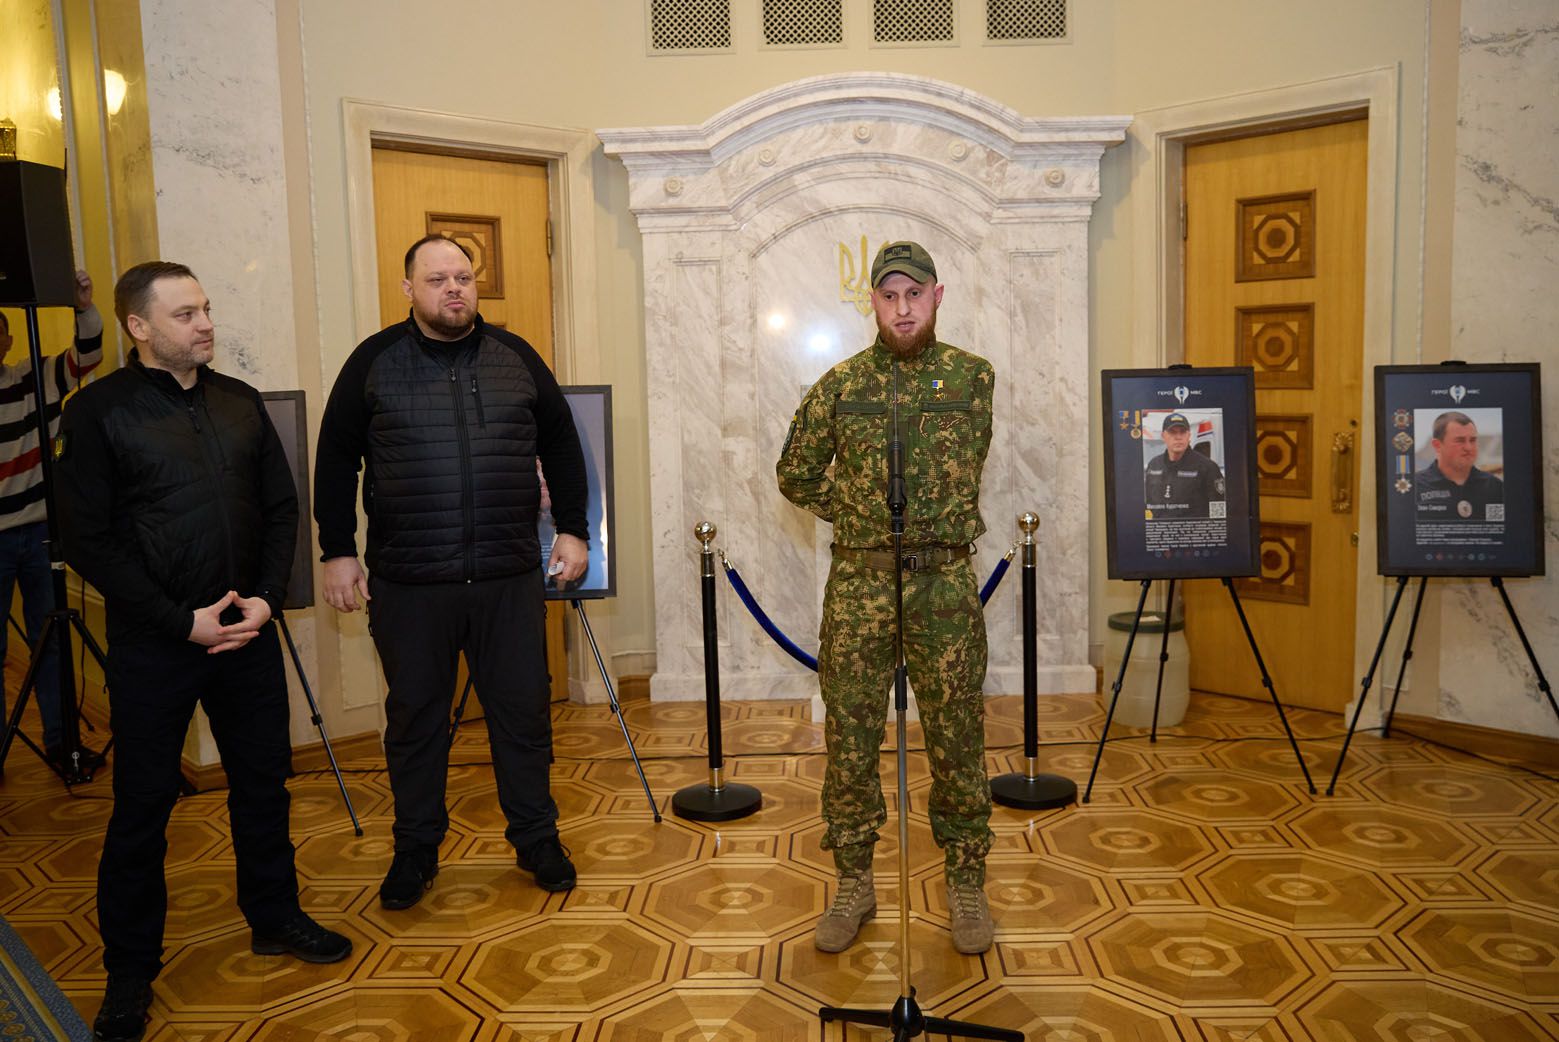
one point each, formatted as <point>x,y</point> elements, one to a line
<point>1041,792</point>
<point>706,803</point>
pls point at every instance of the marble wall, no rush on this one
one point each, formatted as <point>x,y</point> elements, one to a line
<point>758,226</point>
<point>1504,309</point>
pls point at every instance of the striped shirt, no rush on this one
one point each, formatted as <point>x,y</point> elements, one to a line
<point>21,474</point>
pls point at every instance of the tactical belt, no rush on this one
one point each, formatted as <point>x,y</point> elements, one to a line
<point>919,560</point>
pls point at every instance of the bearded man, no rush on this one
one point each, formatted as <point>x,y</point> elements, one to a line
<point>940,398</point>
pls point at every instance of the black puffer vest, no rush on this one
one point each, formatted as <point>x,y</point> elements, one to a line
<point>450,489</point>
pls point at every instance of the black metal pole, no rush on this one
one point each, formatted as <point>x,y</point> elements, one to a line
<point>1266,682</point>
<point>611,697</point>
<point>318,721</point>
<point>1369,678</point>
<point>1407,656</point>
<point>1163,658</point>
<point>719,800</point>
<point>1115,689</point>
<point>1510,609</point>
<point>1031,789</point>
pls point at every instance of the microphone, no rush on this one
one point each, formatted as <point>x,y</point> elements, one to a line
<point>898,495</point>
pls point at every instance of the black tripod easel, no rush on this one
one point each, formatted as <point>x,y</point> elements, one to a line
<point>1163,656</point>
<point>1407,655</point>
<point>317,720</point>
<point>74,763</point>
<point>611,697</point>
<point>905,1018</point>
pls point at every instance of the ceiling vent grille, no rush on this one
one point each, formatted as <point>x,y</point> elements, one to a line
<point>914,21</point>
<point>803,23</point>
<point>683,26</point>
<point>1018,21</point>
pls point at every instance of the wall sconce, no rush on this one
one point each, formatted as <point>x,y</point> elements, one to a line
<point>114,88</point>
<point>51,105</point>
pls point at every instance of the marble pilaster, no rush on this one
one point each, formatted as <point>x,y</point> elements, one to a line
<point>758,225</point>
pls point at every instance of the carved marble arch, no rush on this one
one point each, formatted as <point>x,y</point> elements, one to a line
<point>758,225</point>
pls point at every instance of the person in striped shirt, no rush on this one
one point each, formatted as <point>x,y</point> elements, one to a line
<point>24,557</point>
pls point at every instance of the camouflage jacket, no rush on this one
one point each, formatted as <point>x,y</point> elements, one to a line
<point>944,398</point>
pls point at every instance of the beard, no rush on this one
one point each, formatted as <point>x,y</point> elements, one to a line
<point>450,329</point>
<point>907,347</point>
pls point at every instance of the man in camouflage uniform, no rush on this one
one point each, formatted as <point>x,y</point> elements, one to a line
<point>943,397</point>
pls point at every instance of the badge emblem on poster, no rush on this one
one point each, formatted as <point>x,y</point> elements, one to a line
<point>1403,486</point>
<point>1464,508</point>
<point>1458,392</point>
<point>1181,394</point>
<point>1403,442</point>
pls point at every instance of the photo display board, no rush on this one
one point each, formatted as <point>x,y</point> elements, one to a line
<point>289,413</point>
<point>1459,480</point>
<point>1179,481</point>
<point>592,409</point>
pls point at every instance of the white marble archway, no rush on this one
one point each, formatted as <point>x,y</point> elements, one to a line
<point>753,225</point>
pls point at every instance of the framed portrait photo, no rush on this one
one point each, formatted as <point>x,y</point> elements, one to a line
<point>591,405</point>
<point>1180,473</point>
<point>1459,479</point>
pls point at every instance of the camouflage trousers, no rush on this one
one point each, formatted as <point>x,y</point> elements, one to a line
<point>944,647</point>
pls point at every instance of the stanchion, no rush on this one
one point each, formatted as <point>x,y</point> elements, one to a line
<point>1031,789</point>
<point>718,800</point>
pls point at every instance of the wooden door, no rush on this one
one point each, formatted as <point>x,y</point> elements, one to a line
<point>1274,277</point>
<point>498,210</point>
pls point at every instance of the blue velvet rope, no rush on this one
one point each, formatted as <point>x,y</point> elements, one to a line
<point>789,646</point>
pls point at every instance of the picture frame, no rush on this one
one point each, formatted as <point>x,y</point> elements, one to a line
<point>591,405</point>
<point>289,413</point>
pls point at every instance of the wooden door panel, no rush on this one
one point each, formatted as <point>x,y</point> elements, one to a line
<point>1274,275</point>
<point>498,211</point>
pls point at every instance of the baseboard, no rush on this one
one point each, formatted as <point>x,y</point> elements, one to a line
<point>311,757</point>
<point>1536,750</point>
<point>633,686</point>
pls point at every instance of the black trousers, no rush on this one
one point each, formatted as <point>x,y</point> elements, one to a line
<point>420,630</point>
<point>153,686</point>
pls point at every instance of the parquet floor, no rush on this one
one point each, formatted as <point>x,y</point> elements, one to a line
<point>1203,896</point>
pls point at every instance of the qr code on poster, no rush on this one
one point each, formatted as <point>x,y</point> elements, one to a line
<point>1218,509</point>
<point>1496,512</point>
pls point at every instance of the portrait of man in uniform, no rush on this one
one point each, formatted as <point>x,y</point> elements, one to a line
<point>1180,483</point>
<point>1452,487</point>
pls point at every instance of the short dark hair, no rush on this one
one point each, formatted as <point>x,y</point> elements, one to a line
<point>411,254</point>
<point>1445,419</point>
<point>134,288</point>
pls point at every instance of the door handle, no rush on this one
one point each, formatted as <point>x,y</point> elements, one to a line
<point>1342,472</point>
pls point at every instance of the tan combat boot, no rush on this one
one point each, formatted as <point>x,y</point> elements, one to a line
<point>970,913</point>
<point>854,903</point>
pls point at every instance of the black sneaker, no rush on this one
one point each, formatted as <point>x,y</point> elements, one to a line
<point>304,938</point>
<point>123,1015</point>
<point>547,860</point>
<point>410,876</point>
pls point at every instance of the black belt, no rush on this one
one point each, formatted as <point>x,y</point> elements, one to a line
<point>911,560</point>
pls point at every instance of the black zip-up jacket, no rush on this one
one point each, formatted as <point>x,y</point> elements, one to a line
<point>450,432</point>
<point>169,498</point>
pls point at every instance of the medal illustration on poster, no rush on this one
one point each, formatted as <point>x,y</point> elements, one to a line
<point>1460,485</point>
<point>1180,488</point>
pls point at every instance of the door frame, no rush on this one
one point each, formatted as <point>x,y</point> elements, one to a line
<point>1158,140</point>
<point>566,153</point>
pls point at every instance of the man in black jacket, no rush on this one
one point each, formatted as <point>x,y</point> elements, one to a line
<point>177,503</point>
<point>450,415</point>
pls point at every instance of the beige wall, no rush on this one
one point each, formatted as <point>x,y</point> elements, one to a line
<point>583,64</point>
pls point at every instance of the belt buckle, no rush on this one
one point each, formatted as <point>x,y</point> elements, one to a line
<point>910,562</point>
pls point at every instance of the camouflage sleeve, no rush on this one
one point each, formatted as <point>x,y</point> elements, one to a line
<point>809,449</point>
<point>984,396</point>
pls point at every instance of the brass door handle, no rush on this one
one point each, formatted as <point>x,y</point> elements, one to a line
<point>1342,472</point>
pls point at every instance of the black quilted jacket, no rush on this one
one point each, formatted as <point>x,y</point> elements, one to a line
<point>447,434</point>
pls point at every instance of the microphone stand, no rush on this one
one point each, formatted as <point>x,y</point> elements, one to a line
<point>905,1018</point>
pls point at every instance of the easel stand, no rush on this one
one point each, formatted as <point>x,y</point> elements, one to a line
<point>74,764</point>
<point>719,800</point>
<point>611,696</point>
<point>1031,790</point>
<point>1407,655</point>
<point>317,720</point>
<point>905,1018</point>
<point>1163,656</point>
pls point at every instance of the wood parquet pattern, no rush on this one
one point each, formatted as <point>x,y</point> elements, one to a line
<point>1202,896</point>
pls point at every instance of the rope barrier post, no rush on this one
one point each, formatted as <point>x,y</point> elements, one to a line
<point>719,800</point>
<point>1031,789</point>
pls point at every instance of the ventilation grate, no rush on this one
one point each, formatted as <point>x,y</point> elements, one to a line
<point>803,23</point>
<point>913,21</point>
<point>1025,19</point>
<point>690,25</point>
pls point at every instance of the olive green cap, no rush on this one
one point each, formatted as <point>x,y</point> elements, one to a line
<point>906,258</point>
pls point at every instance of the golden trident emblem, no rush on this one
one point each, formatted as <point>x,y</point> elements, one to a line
<point>855,285</point>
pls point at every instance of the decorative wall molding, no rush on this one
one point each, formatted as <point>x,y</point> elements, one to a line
<point>749,220</point>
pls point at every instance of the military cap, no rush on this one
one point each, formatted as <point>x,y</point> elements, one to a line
<point>1176,419</point>
<point>906,258</point>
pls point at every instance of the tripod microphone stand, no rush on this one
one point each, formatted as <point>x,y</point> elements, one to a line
<point>74,763</point>
<point>905,1018</point>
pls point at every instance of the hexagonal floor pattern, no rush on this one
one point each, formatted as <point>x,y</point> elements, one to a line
<point>1203,895</point>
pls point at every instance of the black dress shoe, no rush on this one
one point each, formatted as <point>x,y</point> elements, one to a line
<point>547,860</point>
<point>410,876</point>
<point>304,938</point>
<point>123,1015</point>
